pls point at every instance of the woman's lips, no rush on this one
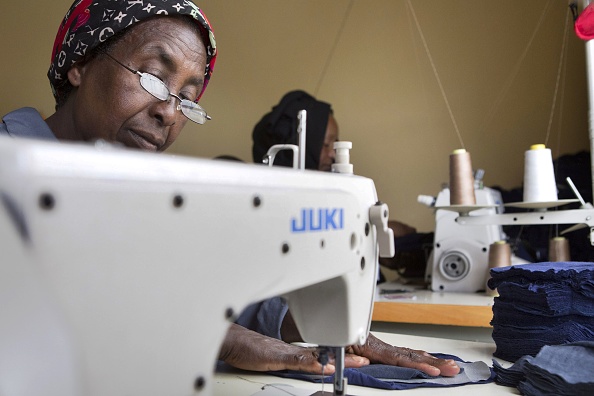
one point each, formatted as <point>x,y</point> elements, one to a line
<point>143,141</point>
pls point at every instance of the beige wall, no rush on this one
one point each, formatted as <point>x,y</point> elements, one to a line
<point>379,80</point>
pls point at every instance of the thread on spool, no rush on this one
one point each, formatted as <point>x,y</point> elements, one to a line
<point>499,256</point>
<point>559,249</point>
<point>539,175</point>
<point>461,179</point>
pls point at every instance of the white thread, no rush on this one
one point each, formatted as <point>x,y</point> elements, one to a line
<point>334,46</point>
<point>442,90</point>
<point>539,176</point>
<point>275,386</point>
<point>515,70</point>
<point>559,69</point>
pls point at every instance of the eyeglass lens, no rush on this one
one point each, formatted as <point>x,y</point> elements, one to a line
<point>159,90</point>
<point>154,86</point>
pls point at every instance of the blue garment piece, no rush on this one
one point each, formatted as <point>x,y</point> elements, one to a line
<point>27,123</point>
<point>528,389</point>
<point>553,298</point>
<point>513,375</point>
<point>545,270</point>
<point>556,370</point>
<point>541,304</point>
<point>578,275</point>
<point>392,377</point>
<point>513,342</point>
<point>510,315</point>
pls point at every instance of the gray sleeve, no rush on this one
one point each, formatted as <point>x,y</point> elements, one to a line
<point>265,317</point>
<point>26,122</point>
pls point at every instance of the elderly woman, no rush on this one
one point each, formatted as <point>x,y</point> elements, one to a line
<point>125,74</point>
<point>133,74</point>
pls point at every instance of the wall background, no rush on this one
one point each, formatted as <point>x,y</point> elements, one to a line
<point>498,63</point>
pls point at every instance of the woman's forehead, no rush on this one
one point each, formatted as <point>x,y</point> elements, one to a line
<point>165,32</point>
<point>168,41</point>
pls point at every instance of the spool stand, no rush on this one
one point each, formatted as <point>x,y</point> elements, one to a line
<point>579,218</point>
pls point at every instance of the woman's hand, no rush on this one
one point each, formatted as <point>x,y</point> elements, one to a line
<point>248,350</point>
<point>378,351</point>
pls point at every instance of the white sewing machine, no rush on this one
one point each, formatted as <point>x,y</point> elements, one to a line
<point>120,270</point>
<point>459,261</point>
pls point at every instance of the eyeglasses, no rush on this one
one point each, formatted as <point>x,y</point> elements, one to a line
<point>156,87</point>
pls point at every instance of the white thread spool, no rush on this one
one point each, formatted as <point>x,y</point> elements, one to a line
<point>539,176</point>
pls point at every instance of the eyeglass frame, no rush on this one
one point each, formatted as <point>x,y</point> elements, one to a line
<point>192,106</point>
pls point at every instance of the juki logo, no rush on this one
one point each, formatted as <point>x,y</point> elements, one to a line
<point>321,219</point>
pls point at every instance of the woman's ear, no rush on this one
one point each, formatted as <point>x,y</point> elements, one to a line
<point>75,74</point>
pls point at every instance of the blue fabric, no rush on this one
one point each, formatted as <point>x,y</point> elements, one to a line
<point>541,304</point>
<point>556,370</point>
<point>265,317</point>
<point>551,297</point>
<point>392,377</point>
<point>513,375</point>
<point>546,270</point>
<point>520,314</point>
<point>515,342</point>
<point>27,123</point>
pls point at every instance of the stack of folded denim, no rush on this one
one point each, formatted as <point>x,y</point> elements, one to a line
<point>541,304</point>
<point>556,370</point>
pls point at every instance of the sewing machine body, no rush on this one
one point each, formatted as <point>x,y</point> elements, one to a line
<point>121,270</point>
<point>459,260</point>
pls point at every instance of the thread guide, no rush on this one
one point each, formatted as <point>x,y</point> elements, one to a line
<point>541,204</point>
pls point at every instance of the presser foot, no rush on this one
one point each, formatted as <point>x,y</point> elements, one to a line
<point>340,391</point>
<point>323,393</point>
<point>340,383</point>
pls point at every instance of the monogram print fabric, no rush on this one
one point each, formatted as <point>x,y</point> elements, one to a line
<point>89,23</point>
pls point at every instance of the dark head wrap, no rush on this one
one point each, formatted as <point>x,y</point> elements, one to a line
<point>280,127</point>
<point>89,23</point>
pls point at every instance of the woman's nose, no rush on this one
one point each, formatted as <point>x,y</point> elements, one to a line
<point>166,111</point>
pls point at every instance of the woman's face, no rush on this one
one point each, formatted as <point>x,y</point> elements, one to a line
<point>328,154</point>
<point>108,101</point>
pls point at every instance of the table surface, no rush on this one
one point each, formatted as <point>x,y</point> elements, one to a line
<point>410,304</point>
<point>239,382</point>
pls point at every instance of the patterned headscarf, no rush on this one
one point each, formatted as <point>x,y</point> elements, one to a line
<point>280,127</point>
<point>89,23</point>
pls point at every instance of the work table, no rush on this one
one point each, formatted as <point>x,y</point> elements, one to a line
<point>410,304</point>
